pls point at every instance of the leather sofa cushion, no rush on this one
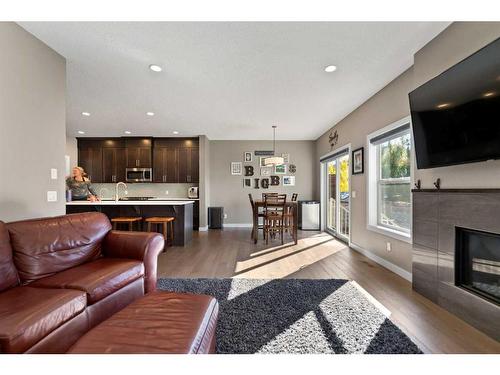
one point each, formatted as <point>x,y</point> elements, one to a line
<point>43,247</point>
<point>8,273</point>
<point>98,279</point>
<point>159,322</point>
<point>28,314</point>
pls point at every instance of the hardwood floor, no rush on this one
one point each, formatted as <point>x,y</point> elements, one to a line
<point>231,253</point>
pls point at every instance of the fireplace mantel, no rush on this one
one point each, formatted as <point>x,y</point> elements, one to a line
<point>436,215</point>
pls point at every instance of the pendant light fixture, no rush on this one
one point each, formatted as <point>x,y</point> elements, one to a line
<point>274,160</point>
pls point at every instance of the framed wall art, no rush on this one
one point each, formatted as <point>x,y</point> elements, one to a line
<point>236,168</point>
<point>288,180</point>
<point>248,157</point>
<point>247,182</point>
<point>266,171</point>
<point>358,161</point>
<point>280,169</point>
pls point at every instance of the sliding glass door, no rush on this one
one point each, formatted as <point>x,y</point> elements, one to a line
<point>337,199</point>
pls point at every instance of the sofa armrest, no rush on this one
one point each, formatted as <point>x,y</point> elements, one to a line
<point>143,246</point>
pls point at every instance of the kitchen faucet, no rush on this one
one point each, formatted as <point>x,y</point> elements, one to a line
<point>116,189</point>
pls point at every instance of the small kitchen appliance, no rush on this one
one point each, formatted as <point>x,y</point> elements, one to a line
<point>193,192</point>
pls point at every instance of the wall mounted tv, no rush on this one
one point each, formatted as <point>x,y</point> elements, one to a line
<point>456,116</point>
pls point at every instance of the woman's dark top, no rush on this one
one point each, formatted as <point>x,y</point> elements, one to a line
<point>80,190</point>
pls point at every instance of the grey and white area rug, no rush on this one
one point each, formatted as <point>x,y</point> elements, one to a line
<point>296,316</point>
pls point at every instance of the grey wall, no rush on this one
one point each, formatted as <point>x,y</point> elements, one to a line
<point>227,190</point>
<point>204,187</point>
<point>32,125</point>
<point>458,41</point>
<point>72,151</point>
<point>387,106</point>
<point>391,104</point>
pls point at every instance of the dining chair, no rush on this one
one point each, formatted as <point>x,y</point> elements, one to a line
<point>255,211</point>
<point>264,195</point>
<point>274,211</point>
<point>289,214</point>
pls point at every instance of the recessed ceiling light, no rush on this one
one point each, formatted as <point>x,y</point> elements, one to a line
<point>443,105</point>
<point>150,113</point>
<point>155,68</point>
<point>87,114</point>
<point>488,94</point>
<point>81,132</point>
<point>330,68</point>
<point>175,132</point>
<point>127,132</point>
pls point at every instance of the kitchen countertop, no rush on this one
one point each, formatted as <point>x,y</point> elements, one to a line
<point>150,202</point>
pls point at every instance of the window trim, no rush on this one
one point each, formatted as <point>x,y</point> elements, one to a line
<point>373,180</point>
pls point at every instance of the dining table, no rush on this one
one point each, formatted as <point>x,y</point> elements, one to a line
<point>295,219</point>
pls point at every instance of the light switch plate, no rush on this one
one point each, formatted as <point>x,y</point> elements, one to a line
<point>353,193</point>
<point>53,173</point>
<point>52,196</point>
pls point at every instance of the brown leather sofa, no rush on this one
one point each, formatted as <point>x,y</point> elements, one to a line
<point>61,276</point>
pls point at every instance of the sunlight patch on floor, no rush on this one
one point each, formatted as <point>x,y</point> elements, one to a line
<point>384,310</point>
<point>281,261</point>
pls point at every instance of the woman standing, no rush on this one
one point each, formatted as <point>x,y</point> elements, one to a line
<point>80,186</point>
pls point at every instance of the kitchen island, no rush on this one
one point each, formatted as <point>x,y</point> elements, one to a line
<point>181,210</point>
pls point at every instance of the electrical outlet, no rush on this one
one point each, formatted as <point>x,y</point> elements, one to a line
<point>225,216</point>
<point>53,173</point>
<point>353,193</point>
<point>166,192</point>
<point>388,246</point>
<point>52,196</point>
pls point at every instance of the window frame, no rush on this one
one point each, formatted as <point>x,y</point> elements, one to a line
<point>374,181</point>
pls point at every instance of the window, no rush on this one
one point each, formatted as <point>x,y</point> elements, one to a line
<point>390,180</point>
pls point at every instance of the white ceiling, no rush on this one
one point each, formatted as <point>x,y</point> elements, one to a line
<point>226,80</point>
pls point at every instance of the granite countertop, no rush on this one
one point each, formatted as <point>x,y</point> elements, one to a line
<point>150,202</point>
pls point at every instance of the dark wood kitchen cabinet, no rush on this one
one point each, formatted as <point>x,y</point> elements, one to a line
<point>90,159</point>
<point>176,160</point>
<point>165,167</point>
<point>139,152</point>
<point>188,165</point>
<point>113,164</point>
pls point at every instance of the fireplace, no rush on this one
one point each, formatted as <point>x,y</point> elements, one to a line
<point>477,263</point>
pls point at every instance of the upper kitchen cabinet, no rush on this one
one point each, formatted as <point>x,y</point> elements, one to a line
<point>188,164</point>
<point>165,166</point>
<point>139,152</point>
<point>90,159</point>
<point>113,160</point>
<point>176,160</point>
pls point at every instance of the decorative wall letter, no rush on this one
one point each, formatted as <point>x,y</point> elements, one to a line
<point>275,180</point>
<point>248,170</point>
<point>264,182</point>
<point>256,180</point>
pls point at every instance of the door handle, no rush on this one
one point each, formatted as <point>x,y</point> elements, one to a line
<point>164,178</point>
<point>188,178</point>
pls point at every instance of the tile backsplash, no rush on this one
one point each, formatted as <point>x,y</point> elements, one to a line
<point>145,190</point>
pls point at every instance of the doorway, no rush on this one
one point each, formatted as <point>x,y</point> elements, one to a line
<point>336,205</point>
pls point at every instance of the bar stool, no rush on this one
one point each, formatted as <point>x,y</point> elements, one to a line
<point>164,221</point>
<point>125,220</point>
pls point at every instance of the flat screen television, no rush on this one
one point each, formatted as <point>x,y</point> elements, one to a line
<point>456,115</point>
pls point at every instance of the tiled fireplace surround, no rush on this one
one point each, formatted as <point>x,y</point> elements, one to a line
<point>435,216</point>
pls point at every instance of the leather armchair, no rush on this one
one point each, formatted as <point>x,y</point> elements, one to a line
<point>144,247</point>
<point>61,276</point>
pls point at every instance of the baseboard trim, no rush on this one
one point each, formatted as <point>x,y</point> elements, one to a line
<point>238,225</point>
<point>384,263</point>
<point>203,229</point>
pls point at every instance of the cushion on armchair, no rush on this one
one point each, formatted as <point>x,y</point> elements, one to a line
<point>98,279</point>
<point>44,247</point>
